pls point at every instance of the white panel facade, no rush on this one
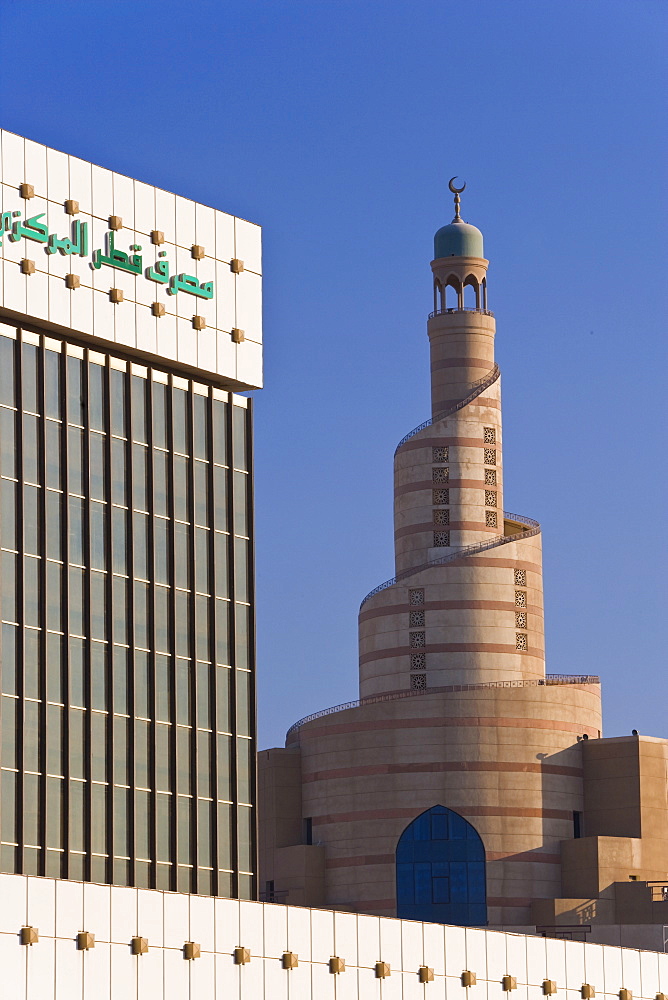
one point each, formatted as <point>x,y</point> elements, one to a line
<point>193,290</point>
<point>54,968</point>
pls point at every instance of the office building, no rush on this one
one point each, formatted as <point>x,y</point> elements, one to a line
<point>130,319</point>
<point>466,785</point>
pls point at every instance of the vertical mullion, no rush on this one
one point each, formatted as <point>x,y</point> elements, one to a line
<point>250,513</point>
<point>233,647</point>
<point>169,419</point>
<point>213,671</point>
<point>190,439</point>
<point>65,590</point>
<point>150,504</point>
<point>20,601</point>
<point>87,642</point>
<point>108,587</point>
<point>129,607</point>
<point>41,465</point>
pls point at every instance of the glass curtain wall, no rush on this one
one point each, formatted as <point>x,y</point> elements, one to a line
<point>127,645</point>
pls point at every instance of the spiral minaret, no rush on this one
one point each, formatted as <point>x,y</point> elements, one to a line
<point>457,724</point>
<point>473,610</point>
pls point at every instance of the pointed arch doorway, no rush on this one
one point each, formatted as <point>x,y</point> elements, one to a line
<point>440,861</point>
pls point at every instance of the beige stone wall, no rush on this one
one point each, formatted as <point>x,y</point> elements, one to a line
<point>471,629</point>
<point>485,752</point>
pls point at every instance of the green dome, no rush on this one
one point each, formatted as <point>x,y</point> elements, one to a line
<point>459,239</point>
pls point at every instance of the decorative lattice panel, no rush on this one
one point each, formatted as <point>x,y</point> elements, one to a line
<point>440,496</point>
<point>520,599</point>
<point>441,517</point>
<point>418,661</point>
<point>490,477</point>
<point>491,519</point>
<point>490,498</point>
<point>440,454</point>
<point>416,596</point>
<point>417,619</point>
<point>520,577</point>
<point>490,456</point>
<point>418,682</point>
<point>521,641</point>
<point>440,475</point>
<point>489,435</point>
<point>441,538</point>
<point>417,640</point>
<point>520,619</point>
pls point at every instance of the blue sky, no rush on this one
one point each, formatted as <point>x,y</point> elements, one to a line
<point>336,125</point>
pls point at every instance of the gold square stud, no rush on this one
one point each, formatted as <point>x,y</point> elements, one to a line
<point>509,983</point>
<point>382,970</point>
<point>26,190</point>
<point>157,308</point>
<point>468,978</point>
<point>29,935</point>
<point>139,946</point>
<point>238,336</point>
<point>85,941</point>
<point>549,987</point>
<point>199,323</point>
<point>236,265</point>
<point>242,956</point>
<point>116,295</point>
<point>115,222</point>
<point>197,252</point>
<point>290,960</point>
<point>27,266</point>
<point>72,206</point>
<point>587,992</point>
<point>425,974</point>
<point>72,281</point>
<point>191,951</point>
<point>157,237</point>
<point>337,965</point>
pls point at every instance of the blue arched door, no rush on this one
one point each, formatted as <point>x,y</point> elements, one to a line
<point>441,870</point>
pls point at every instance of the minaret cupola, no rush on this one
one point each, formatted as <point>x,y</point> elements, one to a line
<point>459,263</point>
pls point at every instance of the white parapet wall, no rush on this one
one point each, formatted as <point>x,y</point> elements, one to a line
<point>57,966</point>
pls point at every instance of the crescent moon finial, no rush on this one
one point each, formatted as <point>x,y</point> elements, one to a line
<point>456,192</point>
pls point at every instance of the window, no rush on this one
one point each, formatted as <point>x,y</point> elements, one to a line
<point>134,535</point>
<point>440,869</point>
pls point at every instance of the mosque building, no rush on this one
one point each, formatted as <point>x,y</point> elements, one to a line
<point>466,785</point>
